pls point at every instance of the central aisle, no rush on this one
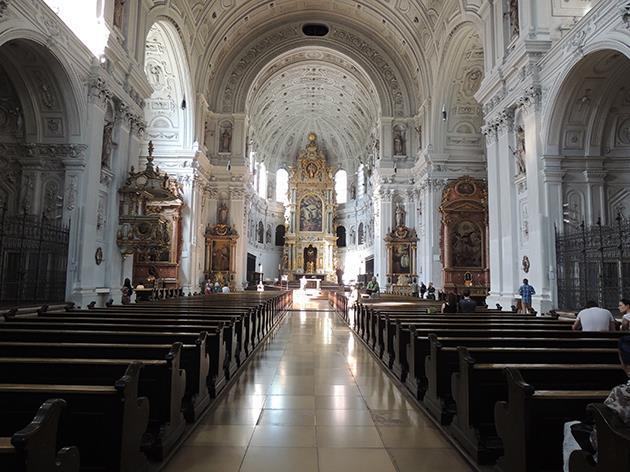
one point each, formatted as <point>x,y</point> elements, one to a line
<point>314,399</point>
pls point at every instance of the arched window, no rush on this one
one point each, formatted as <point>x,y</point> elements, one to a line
<point>341,236</point>
<point>341,186</point>
<point>262,180</point>
<point>282,187</point>
<point>361,235</point>
<point>280,232</point>
<point>260,236</point>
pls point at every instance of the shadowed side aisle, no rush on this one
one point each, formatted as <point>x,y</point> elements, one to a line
<point>315,400</point>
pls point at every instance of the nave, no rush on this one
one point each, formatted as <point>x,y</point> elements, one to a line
<point>314,399</point>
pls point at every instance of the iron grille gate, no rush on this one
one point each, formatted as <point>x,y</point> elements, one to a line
<point>593,264</point>
<point>33,259</point>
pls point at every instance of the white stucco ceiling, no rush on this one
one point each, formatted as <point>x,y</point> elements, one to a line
<point>312,89</point>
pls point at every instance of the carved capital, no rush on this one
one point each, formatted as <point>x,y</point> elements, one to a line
<point>98,91</point>
<point>4,4</point>
<point>505,121</point>
<point>624,8</point>
<point>531,99</point>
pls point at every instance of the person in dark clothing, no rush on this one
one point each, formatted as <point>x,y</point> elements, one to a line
<point>127,291</point>
<point>467,304</point>
<point>423,289</point>
<point>430,291</point>
<point>450,306</point>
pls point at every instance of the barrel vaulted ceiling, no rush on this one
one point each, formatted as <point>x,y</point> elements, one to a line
<point>378,60</point>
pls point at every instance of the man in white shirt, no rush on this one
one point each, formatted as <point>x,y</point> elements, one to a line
<point>593,318</point>
<point>225,289</point>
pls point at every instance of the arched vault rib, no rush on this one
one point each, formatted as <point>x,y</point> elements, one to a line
<point>312,89</point>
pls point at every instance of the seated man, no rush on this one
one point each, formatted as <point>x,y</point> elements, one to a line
<point>593,318</point>
<point>372,287</point>
<point>576,434</point>
<point>467,304</point>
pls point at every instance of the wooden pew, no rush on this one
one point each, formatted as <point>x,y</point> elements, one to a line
<point>444,361</point>
<point>161,381</point>
<point>613,444</point>
<point>478,386</point>
<point>215,347</point>
<point>34,447</point>
<point>531,423</point>
<point>417,351</point>
<point>105,422</point>
<point>193,359</point>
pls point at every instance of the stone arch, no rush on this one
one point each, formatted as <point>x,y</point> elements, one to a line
<point>170,111</point>
<point>463,61</point>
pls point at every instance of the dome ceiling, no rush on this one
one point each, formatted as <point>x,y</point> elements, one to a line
<point>312,90</point>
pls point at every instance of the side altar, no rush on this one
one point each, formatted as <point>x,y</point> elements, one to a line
<point>310,244</point>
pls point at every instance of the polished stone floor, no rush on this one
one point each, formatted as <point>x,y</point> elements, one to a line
<point>315,400</point>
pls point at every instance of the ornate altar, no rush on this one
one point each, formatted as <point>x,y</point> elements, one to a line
<point>149,225</point>
<point>401,244</point>
<point>220,259</point>
<point>464,236</point>
<point>310,243</point>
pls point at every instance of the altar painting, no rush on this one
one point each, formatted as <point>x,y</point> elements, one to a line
<point>466,245</point>
<point>220,255</point>
<point>311,214</point>
<point>401,259</point>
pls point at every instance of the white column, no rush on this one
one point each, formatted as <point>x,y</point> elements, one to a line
<point>494,220</point>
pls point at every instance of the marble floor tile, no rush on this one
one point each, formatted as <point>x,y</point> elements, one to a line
<point>351,459</point>
<point>272,459</point>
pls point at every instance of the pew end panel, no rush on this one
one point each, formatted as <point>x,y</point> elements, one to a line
<point>613,444</point>
<point>35,446</point>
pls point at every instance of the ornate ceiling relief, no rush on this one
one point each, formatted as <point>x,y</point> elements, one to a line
<point>163,110</point>
<point>316,90</point>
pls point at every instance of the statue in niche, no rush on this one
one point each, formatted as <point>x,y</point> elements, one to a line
<point>106,152</point>
<point>261,233</point>
<point>225,144</point>
<point>119,8</point>
<point>353,235</point>
<point>268,235</point>
<point>515,28</point>
<point>222,214</point>
<point>353,192</point>
<point>399,142</point>
<point>419,131</point>
<point>519,153</point>
<point>400,216</point>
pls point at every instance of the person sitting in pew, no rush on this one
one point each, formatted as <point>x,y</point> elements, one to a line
<point>225,289</point>
<point>373,288</point>
<point>450,305</point>
<point>594,318</point>
<point>578,435</point>
<point>467,304</point>
<point>624,309</point>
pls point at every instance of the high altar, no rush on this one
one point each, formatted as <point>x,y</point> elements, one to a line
<point>310,245</point>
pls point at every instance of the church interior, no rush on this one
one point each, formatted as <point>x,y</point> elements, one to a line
<point>275,204</point>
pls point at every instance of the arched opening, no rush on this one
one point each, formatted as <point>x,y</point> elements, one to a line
<point>589,138</point>
<point>282,185</point>
<point>361,235</point>
<point>38,194</point>
<point>341,236</point>
<point>280,235</point>
<point>169,111</point>
<point>260,233</point>
<point>341,186</point>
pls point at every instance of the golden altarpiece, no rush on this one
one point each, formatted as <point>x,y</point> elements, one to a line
<point>220,259</point>
<point>401,244</point>
<point>310,244</point>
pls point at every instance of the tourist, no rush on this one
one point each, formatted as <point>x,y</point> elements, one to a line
<point>526,291</point>
<point>225,289</point>
<point>430,291</point>
<point>217,287</point>
<point>593,318</point>
<point>578,435</point>
<point>624,309</point>
<point>208,288</point>
<point>423,289</point>
<point>415,289</point>
<point>373,288</point>
<point>467,304</point>
<point>450,306</point>
<point>127,291</point>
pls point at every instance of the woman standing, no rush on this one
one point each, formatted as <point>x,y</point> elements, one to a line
<point>450,306</point>
<point>127,291</point>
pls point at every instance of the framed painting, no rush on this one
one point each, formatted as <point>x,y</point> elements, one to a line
<point>220,255</point>
<point>401,259</point>
<point>311,214</point>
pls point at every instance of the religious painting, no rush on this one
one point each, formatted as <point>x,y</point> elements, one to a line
<point>310,259</point>
<point>466,245</point>
<point>221,255</point>
<point>311,214</point>
<point>401,259</point>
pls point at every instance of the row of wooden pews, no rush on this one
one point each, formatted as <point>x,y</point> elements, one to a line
<point>132,378</point>
<point>501,384</point>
